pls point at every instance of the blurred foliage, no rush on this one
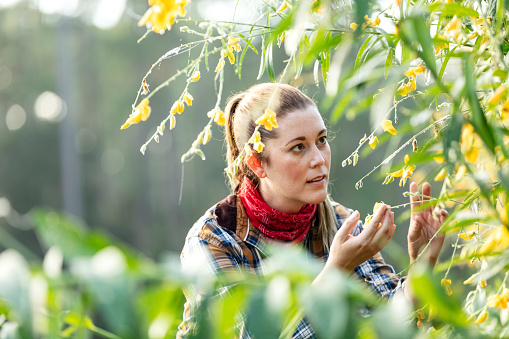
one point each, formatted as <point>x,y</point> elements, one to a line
<point>436,71</point>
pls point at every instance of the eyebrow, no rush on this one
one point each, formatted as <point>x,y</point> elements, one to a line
<point>304,138</point>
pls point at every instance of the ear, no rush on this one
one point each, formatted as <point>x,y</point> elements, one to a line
<point>256,165</point>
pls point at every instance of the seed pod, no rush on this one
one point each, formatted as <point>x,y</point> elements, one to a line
<point>343,163</point>
<point>173,122</point>
<point>200,153</point>
<point>363,139</point>
<point>207,136</point>
<point>156,138</point>
<point>355,159</point>
<point>414,145</point>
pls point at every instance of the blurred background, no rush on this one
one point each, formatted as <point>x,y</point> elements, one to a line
<point>69,73</point>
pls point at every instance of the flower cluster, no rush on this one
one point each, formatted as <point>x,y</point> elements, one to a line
<point>404,173</point>
<point>411,85</point>
<point>231,46</point>
<point>162,14</point>
<point>367,22</point>
<point>268,120</point>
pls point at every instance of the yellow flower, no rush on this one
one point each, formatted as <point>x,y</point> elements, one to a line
<point>468,235</point>
<point>498,240</point>
<point>318,10</point>
<point>471,279</point>
<point>233,44</point>
<point>446,283</point>
<point>403,90</point>
<point>218,116</point>
<point>483,283</point>
<point>220,65</point>
<point>441,175</point>
<point>372,142</point>
<point>439,159</point>
<point>482,316</point>
<point>256,141</point>
<point>268,119</point>
<point>162,13</point>
<point>499,300</point>
<point>505,110</point>
<point>454,27</point>
<point>419,69</point>
<point>280,39</point>
<point>282,7</point>
<point>405,173</point>
<point>353,26</point>
<point>498,95</point>
<point>412,84</point>
<point>188,98</point>
<point>469,143</point>
<point>387,126</point>
<point>441,46</point>
<point>460,172</point>
<point>173,122</point>
<point>178,107</point>
<point>196,76</point>
<point>141,113</point>
<point>375,22</point>
<point>406,159</point>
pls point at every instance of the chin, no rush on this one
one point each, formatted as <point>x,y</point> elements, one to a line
<point>318,198</point>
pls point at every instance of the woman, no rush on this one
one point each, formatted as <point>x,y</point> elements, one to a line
<point>280,196</point>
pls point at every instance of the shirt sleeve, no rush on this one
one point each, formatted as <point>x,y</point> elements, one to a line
<point>206,256</point>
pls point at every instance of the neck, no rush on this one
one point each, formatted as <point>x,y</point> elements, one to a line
<point>276,202</point>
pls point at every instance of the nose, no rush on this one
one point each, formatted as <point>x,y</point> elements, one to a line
<point>317,158</point>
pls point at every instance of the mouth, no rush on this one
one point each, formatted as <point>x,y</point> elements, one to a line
<point>317,179</point>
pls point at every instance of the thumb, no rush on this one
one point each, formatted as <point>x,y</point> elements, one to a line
<point>350,222</point>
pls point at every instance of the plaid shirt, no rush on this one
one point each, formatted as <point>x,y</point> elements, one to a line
<point>223,240</point>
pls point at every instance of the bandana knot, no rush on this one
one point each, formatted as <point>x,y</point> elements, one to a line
<point>273,224</point>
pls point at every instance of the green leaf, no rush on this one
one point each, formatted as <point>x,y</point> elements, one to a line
<point>361,51</point>
<point>262,320</point>
<point>248,43</point>
<point>478,118</point>
<point>269,62</point>
<point>453,9</point>
<point>388,62</point>
<point>262,60</point>
<point>341,105</point>
<point>428,291</point>
<point>415,34</point>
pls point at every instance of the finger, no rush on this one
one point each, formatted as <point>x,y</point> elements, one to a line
<point>414,198</point>
<point>414,231</point>
<point>349,223</point>
<point>426,192</point>
<point>371,227</point>
<point>384,233</point>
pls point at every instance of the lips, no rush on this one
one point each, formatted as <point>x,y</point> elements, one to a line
<point>316,179</point>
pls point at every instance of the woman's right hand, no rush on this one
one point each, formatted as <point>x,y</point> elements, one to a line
<point>347,252</point>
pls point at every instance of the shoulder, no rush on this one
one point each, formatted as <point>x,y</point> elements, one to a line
<point>342,213</point>
<point>216,226</point>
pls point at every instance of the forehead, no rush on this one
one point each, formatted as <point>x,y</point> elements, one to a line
<point>305,122</point>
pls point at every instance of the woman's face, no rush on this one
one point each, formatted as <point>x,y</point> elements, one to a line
<point>297,170</point>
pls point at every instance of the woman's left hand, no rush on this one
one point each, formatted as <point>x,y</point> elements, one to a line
<point>423,226</point>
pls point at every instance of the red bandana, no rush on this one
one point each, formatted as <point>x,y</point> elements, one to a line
<point>273,224</point>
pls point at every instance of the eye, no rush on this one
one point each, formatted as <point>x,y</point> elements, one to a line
<point>298,148</point>
<point>322,140</point>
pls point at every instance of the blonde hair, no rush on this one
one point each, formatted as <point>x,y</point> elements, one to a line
<point>242,111</point>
